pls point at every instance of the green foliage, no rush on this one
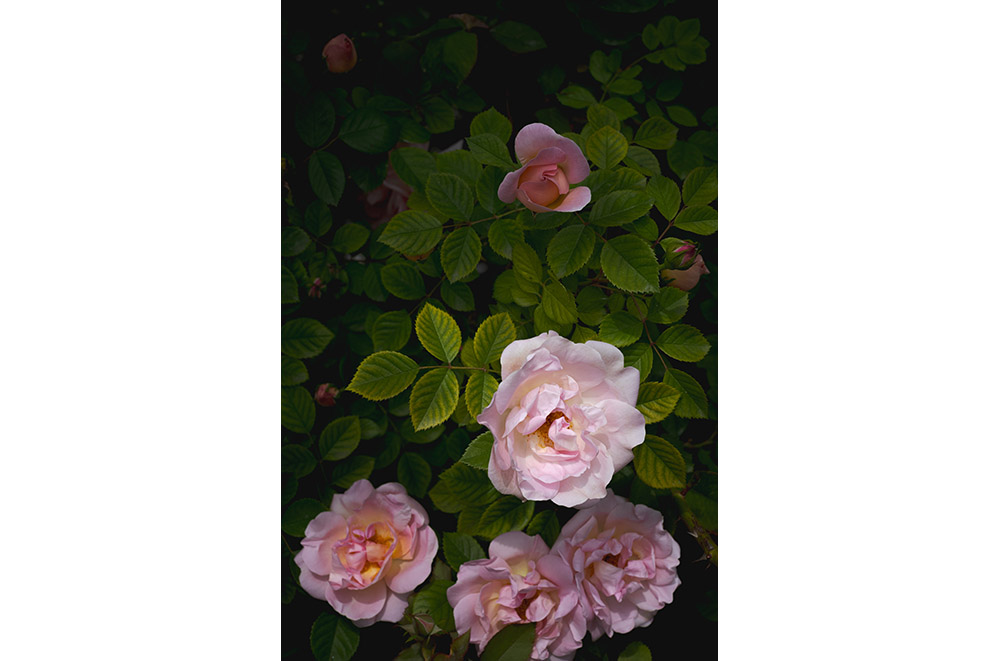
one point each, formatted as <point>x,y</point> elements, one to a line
<point>659,464</point>
<point>333,638</point>
<point>630,265</point>
<point>477,454</point>
<point>412,233</point>
<point>460,252</point>
<point>512,643</point>
<point>340,438</point>
<point>459,549</point>
<point>434,398</point>
<point>383,375</point>
<point>438,333</point>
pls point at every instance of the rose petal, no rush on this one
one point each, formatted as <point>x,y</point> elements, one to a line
<point>575,200</point>
<point>507,192</point>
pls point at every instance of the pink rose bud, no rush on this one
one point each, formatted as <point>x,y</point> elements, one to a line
<point>521,582</point>
<point>549,164</point>
<point>368,553</point>
<point>326,395</point>
<point>340,54</point>
<point>679,253</point>
<point>317,288</point>
<point>686,279</point>
<point>625,563</point>
<point>563,419</point>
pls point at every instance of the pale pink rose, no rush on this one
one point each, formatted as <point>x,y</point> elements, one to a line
<point>368,553</point>
<point>521,582</point>
<point>687,278</point>
<point>624,563</point>
<point>563,419</point>
<point>549,164</point>
<point>340,54</point>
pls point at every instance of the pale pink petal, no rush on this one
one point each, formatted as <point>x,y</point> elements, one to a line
<point>548,156</point>
<point>517,545</point>
<point>575,200</point>
<point>507,192</point>
<point>358,604</point>
<point>522,195</point>
<point>625,380</point>
<point>516,353</point>
<point>395,606</point>
<point>414,572</point>
<point>310,582</point>
<point>533,138</point>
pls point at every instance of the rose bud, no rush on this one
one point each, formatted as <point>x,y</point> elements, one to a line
<point>686,279</point>
<point>679,254</point>
<point>340,54</point>
<point>317,288</point>
<point>326,395</point>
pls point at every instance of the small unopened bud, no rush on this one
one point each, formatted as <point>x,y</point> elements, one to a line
<point>687,278</point>
<point>340,54</point>
<point>424,624</point>
<point>679,254</point>
<point>317,288</point>
<point>326,395</point>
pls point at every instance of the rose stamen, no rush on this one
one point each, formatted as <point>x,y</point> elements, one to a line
<point>541,435</point>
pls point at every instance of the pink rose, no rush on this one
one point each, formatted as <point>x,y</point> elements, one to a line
<point>521,581</point>
<point>563,419</point>
<point>686,279</point>
<point>340,54</point>
<point>326,395</point>
<point>549,164</point>
<point>368,553</point>
<point>623,561</point>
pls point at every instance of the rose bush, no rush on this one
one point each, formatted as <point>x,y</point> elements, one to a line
<point>624,563</point>
<point>368,553</point>
<point>520,582</point>
<point>563,419</point>
<point>549,164</point>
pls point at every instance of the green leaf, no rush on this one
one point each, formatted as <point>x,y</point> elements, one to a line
<point>691,53</point>
<point>620,329</point>
<point>326,176</point>
<point>642,160</point>
<point>433,600</point>
<point>414,473</point>
<point>512,643</point>
<point>683,342</point>
<point>668,306</point>
<point>403,280</point>
<point>639,356</point>
<point>350,237</point>
<point>650,38</point>
<point>504,234</point>
<point>701,186</point>
<point>314,120</point>
<point>391,331</point>
<point>636,651</point>
<point>570,249</point>
<point>459,52</point>
<point>434,398</point>
<point>682,116</point>
<point>347,472</point>
<point>659,464</point>
<point>687,31</point>
<point>575,96</point>
<point>477,454</point>
<point>545,524</point>
<point>490,150</point>
<point>333,638</point>
<point>486,189</point>
<point>666,195</point>
<point>656,133</point>
<point>490,121</point>
<point>298,515</point>
<point>527,265</point>
<point>458,296</point>
<point>413,165</point>
<point>369,131</point>
<point>492,337</point>
<point>625,86</point>
<point>558,304</point>
<point>383,375</point>
<point>318,219</point>
<point>460,252</point>
<point>289,286</point>
<point>622,108</point>
<point>412,233</point>
<point>461,486</point>
<point>507,514</point>
<point>656,401</point>
<point>693,402</point>
<point>700,220</point>
<point>340,438</point>
<point>620,207</point>
<point>479,392</point>
<point>684,157</point>
<point>460,163</point>
<point>293,372</point>
<point>599,116</point>
<point>459,549</point>
<point>450,195</point>
<point>293,241</point>
<point>606,147</point>
<point>438,333</point>
<point>439,116</point>
<point>600,68</point>
<point>518,37</point>
<point>630,265</point>
<point>304,338</point>
<point>297,460</point>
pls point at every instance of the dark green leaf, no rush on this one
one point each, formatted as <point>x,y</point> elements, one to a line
<point>347,472</point>
<point>512,643</point>
<point>490,150</point>
<point>620,329</point>
<point>298,515</point>
<point>630,265</point>
<point>340,438</point>
<point>701,186</point>
<point>350,237</point>
<point>683,342</point>
<point>450,195</point>
<point>318,219</point>
<point>545,524</point>
<point>304,338</point>
<point>297,460</point>
<point>402,279</point>
<point>486,189</point>
<point>413,165</point>
<point>459,549</point>
<point>314,120</point>
<point>700,220</point>
<point>477,454</point>
<point>570,249</point>
<point>666,195</point>
<point>293,372</point>
<point>558,304</point>
<point>369,131</point>
<point>504,234</point>
<point>414,473</point>
<point>656,133</point>
<point>391,331</point>
<point>412,233</point>
<point>460,252</point>
<point>606,147</point>
<point>693,402</point>
<point>459,51</point>
<point>462,486</point>
<point>289,287</point>
<point>293,241</point>
<point>518,37</point>
<point>620,207</point>
<point>326,176</point>
<point>433,600</point>
<point>505,515</point>
<point>491,121</point>
<point>684,157</point>
<point>333,638</point>
<point>575,96</point>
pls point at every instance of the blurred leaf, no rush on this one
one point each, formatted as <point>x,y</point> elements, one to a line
<point>656,401</point>
<point>630,265</point>
<point>656,133</point>
<point>621,107</point>
<point>304,338</point>
<point>625,86</point>
<point>459,51</point>
<point>383,375</point>
<point>414,473</point>
<point>433,398</point>
<point>293,372</point>
<point>450,195</point>
<point>682,116</point>
<point>350,237</point>
<point>575,96</point>
<point>412,233</point>
<point>438,333</point>
<point>318,218</point>
<point>333,638</point>
<point>297,460</point>
<point>514,642</point>
<point>391,331</point>
<point>636,651</point>
<point>298,515</point>
<point>518,37</point>
<point>293,241</point>
<point>606,147</point>
<point>505,515</point>
<point>314,120</point>
<point>326,176</point>
<point>369,131</point>
<point>684,157</point>
<point>659,464</point>
<point>340,438</point>
<point>490,121</point>
<point>600,67</point>
<point>438,115</point>
<point>289,287</point>
<point>460,253</point>
<point>459,549</point>
<point>650,38</point>
<point>458,296</point>
<point>477,454</point>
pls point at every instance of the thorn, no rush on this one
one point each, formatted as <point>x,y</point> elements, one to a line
<point>693,534</point>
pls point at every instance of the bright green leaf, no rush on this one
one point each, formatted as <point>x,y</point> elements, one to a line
<point>383,375</point>
<point>656,400</point>
<point>683,342</point>
<point>700,220</point>
<point>438,333</point>
<point>477,454</point>
<point>659,464</point>
<point>693,402</point>
<point>620,207</point>
<point>630,265</point>
<point>666,195</point>
<point>434,398</point>
<point>620,329</point>
<point>492,337</point>
<point>412,233</point>
<point>479,391</point>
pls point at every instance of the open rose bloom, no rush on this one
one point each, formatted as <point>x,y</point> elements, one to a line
<point>368,553</point>
<point>625,564</point>
<point>563,419</point>
<point>521,582</point>
<point>549,164</point>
